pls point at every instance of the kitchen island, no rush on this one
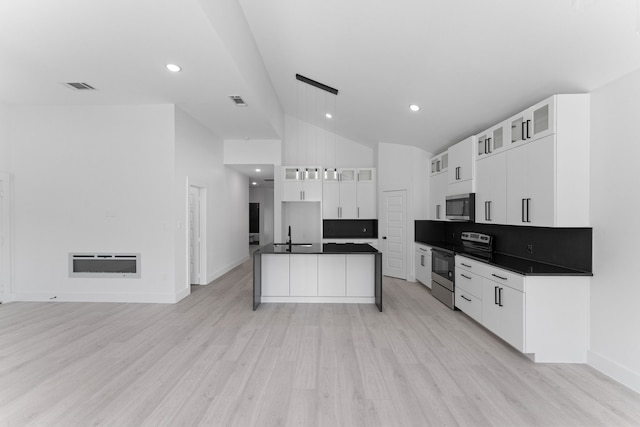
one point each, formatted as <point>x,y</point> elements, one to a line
<point>317,273</point>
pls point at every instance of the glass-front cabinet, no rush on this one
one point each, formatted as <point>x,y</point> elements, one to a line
<point>533,123</point>
<point>492,140</point>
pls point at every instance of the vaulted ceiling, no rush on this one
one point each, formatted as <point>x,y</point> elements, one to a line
<point>467,63</point>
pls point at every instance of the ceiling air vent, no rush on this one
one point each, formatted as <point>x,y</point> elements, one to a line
<point>81,86</point>
<point>238,100</point>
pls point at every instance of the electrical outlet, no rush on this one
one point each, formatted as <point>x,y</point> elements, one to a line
<point>530,248</point>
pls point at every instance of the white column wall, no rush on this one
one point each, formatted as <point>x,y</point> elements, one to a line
<point>92,179</point>
<point>614,206</point>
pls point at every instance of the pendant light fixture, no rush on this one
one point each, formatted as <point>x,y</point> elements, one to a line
<point>319,102</point>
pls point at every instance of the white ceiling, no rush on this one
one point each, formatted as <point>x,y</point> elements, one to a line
<point>467,63</point>
<point>262,178</point>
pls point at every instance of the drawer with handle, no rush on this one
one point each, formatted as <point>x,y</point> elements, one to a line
<point>469,304</point>
<point>504,277</point>
<point>469,282</point>
<point>469,264</point>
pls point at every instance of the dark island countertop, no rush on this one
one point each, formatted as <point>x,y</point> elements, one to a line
<point>318,248</point>
<point>518,265</point>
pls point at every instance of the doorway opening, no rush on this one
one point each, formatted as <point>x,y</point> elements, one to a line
<point>254,224</point>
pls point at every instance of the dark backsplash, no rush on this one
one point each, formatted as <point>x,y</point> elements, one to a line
<point>350,229</point>
<point>566,247</point>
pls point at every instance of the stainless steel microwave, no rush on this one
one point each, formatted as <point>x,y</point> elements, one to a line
<point>461,207</point>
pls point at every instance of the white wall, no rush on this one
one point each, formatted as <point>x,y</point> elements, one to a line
<point>307,144</point>
<point>5,147</point>
<point>264,196</point>
<point>200,162</point>
<point>403,167</point>
<point>252,152</point>
<point>92,179</point>
<point>614,205</point>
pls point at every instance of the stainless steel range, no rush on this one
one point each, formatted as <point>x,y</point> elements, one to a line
<point>443,264</point>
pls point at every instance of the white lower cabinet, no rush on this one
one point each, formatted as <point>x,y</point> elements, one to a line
<point>503,312</point>
<point>332,276</point>
<point>468,290</point>
<point>544,317</point>
<point>423,264</point>
<point>303,275</point>
<point>275,275</point>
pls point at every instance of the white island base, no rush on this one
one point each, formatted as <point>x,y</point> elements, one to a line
<point>317,278</point>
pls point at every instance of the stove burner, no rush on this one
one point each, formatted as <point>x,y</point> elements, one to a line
<point>477,244</point>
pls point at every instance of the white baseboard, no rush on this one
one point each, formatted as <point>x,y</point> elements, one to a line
<point>183,294</point>
<point>614,370</point>
<point>213,276</point>
<point>132,298</point>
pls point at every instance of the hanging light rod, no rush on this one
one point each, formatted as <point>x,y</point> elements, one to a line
<point>319,85</point>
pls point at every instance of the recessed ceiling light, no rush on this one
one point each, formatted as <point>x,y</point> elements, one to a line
<point>414,107</point>
<point>254,183</point>
<point>328,115</point>
<point>257,170</point>
<point>173,67</point>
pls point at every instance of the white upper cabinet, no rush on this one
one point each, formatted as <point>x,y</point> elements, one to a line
<point>533,123</point>
<point>461,167</point>
<point>530,183</point>
<point>437,196</point>
<point>349,193</point>
<point>491,189</point>
<point>440,163</point>
<point>493,140</point>
<point>546,179</point>
<point>367,205</point>
<point>302,184</point>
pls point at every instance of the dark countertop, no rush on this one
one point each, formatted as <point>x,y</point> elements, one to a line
<point>517,265</point>
<point>318,248</point>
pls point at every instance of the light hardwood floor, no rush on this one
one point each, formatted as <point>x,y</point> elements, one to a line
<point>211,360</point>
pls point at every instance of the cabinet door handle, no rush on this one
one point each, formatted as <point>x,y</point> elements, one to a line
<point>495,295</point>
<point>301,195</point>
<point>489,210</point>
<point>422,260</point>
<point>489,144</point>
<point>486,146</point>
<point>466,277</point>
<point>528,212</point>
<point>358,209</point>
<point>500,297</point>
<point>437,211</point>
<point>465,265</point>
<point>499,277</point>
<point>522,130</point>
<point>528,129</point>
<point>523,210</point>
<point>465,298</point>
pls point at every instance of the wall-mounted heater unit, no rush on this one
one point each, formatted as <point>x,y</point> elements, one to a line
<point>104,265</point>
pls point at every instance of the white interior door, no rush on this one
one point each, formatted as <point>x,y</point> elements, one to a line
<point>394,234</point>
<point>194,236</point>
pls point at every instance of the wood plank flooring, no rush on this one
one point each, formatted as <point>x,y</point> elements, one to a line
<point>211,360</point>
